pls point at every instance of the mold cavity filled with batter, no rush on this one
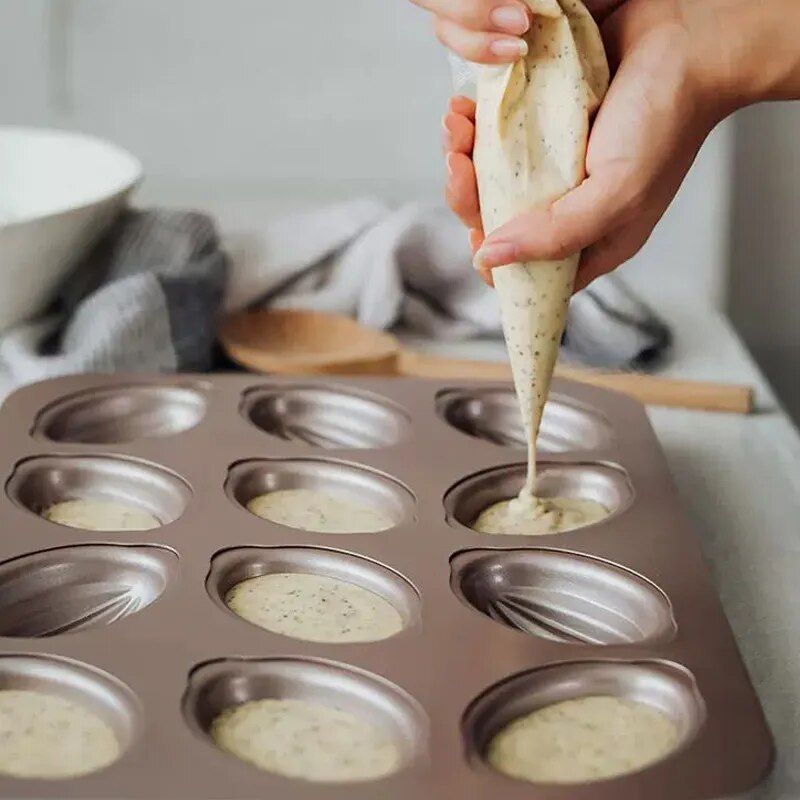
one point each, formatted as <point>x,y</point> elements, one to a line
<point>98,493</point>
<point>567,496</point>
<point>320,496</point>
<point>60,718</point>
<point>315,721</point>
<point>584,721</point>
<point>313,594</point>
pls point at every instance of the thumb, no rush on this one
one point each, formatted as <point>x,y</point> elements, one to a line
<point>558,230</point>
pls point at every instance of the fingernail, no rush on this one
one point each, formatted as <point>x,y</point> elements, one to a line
<point>494,254</point>
<point>510,18</point>
<point>447,137</point>
<point>509,48</point>
<point>449,163</point>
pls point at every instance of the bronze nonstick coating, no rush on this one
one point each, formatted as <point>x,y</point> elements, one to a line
<point>134,626</point>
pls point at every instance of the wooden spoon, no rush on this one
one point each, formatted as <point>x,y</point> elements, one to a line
<point>297,342</point>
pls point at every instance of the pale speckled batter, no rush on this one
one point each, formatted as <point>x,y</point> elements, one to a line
<point>101,515</point>
<point>540,517</point>
<point>45,736</point>
<point>319,511</point>
<point>532,126</point>
<point>314,607</point>
<point>586,739</point>
<point>311,741</point>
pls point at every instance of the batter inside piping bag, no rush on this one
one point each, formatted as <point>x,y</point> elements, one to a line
<point>532,128</point>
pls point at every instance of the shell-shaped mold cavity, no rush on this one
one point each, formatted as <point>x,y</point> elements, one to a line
<point>71,589</point>
<point>93,689</point>
<point>42,481</point>
<point>565,597</point>
<point>606,484</point>
<point>492,414</point>
<point>252,478</point>
<point>232,566</point>
<point>118,414</point>
<point>665,686</point>
<point>325,416</point>
<point>216,685</point>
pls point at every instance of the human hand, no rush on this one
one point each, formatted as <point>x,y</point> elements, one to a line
<point>490,31</point>
<point>658,111</point>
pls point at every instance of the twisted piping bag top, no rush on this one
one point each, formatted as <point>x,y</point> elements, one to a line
<point>532,129</point>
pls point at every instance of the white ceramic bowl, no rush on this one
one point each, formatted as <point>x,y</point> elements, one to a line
<point>59,192</point>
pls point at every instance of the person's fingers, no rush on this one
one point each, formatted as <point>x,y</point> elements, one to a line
<point>462,189</point>
<point>462,105</point>
<point>475,239</point>
<point>458,134</point>
<point>553,232</point>
<point>500,16</point>
<point>483,48</point>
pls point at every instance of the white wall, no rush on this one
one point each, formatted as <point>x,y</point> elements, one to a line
<point>764,299</point>
<point>289,100</point>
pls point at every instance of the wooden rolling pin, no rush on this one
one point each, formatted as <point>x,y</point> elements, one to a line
<point>289,342</point>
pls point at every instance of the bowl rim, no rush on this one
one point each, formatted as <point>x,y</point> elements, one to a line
<point>133,167</point>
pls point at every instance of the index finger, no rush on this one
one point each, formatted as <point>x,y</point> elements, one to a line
<point>502,16</point>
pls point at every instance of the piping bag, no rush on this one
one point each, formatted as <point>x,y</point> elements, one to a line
<point>532,128</point>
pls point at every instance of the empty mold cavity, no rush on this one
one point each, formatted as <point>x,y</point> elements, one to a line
<point>71,589</point>
<point>121,414</point>
<point>88,687</point>
<point>325,416</point>
<point>565,597</point>
<point>230,567</point>
<point>40,482</point>
<point>221,684</point>
<point>664,686</point>
<point>362,485</point>
<point>603,483</point>
<point>493,414</point>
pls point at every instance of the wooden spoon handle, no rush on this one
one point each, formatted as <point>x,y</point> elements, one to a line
<point>647,389</point>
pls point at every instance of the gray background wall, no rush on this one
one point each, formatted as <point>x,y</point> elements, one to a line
<point>307,102</point>
<point>764,285</point>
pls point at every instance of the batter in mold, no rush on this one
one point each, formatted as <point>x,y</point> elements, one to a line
<point>311,741</point>
<point>532,127</point>
<point>45,736</point>
<point>545,515</point>
<point>314,607</point>
<point>101,515</point>
<point>319,511</point>
<point>581,740</point>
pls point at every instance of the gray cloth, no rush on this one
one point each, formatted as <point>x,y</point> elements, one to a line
<point>411,268</point>
<point>146,299</point>
<point>148,296</point>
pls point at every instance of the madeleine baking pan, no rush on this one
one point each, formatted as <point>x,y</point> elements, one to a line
<point>134,624</point>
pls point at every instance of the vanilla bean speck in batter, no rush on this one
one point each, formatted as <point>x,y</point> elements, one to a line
<point>539,517</point>
<point>319,511</point>
<point>306,740</point>
<point>315,608</point>
<point>46,736</point>
<point>581,740</point>
<point>101,515</point>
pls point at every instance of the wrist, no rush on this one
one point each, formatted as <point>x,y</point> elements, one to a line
<point>746,51</point>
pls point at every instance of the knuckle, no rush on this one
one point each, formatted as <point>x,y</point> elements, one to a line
<point>440,30</point>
